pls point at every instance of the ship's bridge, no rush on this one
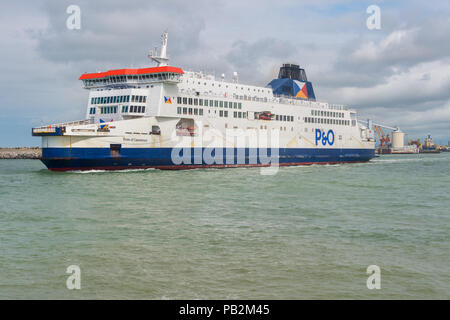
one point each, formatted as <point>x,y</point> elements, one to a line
<point>124,78</point>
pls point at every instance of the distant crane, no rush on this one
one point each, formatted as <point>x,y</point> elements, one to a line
<point>384,139</point>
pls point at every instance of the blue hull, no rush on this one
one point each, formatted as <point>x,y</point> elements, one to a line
<point>66,159</point>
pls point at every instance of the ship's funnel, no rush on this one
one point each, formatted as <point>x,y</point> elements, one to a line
<point>292,82</point>
<point>292,71</point>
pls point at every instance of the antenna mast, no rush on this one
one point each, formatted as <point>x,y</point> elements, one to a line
<point>162,59</point>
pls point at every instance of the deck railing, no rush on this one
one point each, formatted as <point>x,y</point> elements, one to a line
<point>64,124</point>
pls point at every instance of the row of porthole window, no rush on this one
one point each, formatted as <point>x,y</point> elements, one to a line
<point>109,109</point>
<point>284,118</point>
<point>236,87</point>
<point>327,121</point>
<point>113,109</point>
<point>190,111</point>
<point>118,99</point>
<point>321,113</point>
<point>281,128</point>
<point>209,103</point>
<point>133,109</point>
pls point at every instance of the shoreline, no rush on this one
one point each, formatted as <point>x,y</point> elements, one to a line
<point>21,153</point>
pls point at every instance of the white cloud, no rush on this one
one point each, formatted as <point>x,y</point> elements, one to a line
<point>422,83</point>
<point>398,74</point>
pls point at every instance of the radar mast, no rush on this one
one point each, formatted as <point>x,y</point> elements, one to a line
<point>162,59</point>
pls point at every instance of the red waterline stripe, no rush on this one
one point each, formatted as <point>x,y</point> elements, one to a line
<point>197,166</point>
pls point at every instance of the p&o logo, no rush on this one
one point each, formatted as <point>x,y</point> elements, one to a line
<point>325,137</point>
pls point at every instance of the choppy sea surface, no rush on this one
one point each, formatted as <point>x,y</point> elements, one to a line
<point>308,232</point>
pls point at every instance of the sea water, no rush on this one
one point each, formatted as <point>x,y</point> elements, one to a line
<point>307,232</point>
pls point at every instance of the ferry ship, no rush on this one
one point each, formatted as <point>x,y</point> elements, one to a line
<point>168,118</point>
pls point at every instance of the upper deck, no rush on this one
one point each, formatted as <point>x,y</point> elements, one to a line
<point>123,78</point>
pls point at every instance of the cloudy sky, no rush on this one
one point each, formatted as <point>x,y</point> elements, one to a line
<point>398,75</point>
